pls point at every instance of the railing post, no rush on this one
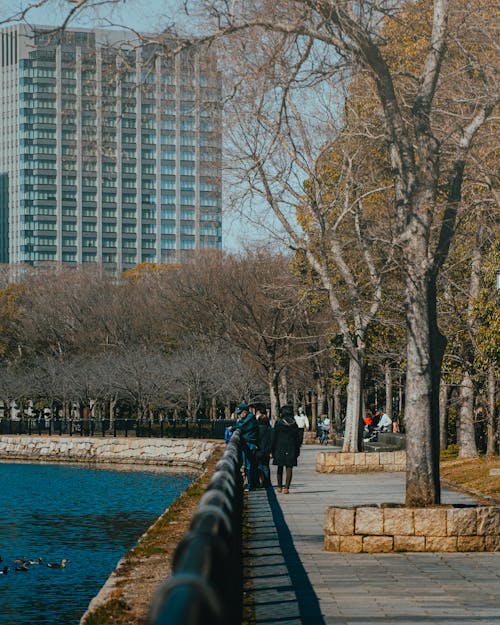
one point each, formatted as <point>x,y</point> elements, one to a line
<point>205,587</point>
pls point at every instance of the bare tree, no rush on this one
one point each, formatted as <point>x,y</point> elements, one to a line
<point>427,165</point>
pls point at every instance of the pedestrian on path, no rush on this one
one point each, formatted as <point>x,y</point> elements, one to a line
<point>285,446</point>
<point>249,431</point>
<point>302,422</point>
<point>264,451</point>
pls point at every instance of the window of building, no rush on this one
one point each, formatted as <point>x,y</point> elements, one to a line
<point>168,228</point>
<point>187,244</point>
<point>168,244</point>
<point>168,183</point>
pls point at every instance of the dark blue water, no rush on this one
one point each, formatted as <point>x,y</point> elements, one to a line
<point>89,516</point>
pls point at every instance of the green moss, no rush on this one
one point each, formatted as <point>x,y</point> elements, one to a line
<point>113,611</point>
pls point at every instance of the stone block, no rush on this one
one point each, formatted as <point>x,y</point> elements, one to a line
<point>400,457</point>
<point>344,521</point>
<point>378,544</point>
<point>360,458</point>
<point>461,522</point>
<point>346,458</point>
<point>441,543</point>
<point>332,543</point>
<point>351,544</point>
<point>393,468</point>
<point>369,521</point>
<point>373,459</point>
<point>430,521</point>
<point>330,520</point>
<point>386,457</point>
<point>488,520</point>
<point>398,521</point>
<point>492,543</point>
<point>470,543</point>
<point>409,543</point>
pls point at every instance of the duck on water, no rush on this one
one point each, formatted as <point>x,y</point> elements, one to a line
<point>57,565</point>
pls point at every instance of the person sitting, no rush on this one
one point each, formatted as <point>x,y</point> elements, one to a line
<point>384,422</point>
<point>325,431</point>
<point>369,425</point>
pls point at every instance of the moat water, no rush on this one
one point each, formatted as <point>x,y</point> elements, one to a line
<point>89,516</point>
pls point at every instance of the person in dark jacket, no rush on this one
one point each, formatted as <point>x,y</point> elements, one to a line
<point>249,432</point>
<point>264,450</point>
<point>285,446</point>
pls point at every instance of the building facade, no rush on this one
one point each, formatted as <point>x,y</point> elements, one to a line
<point>110,151</point>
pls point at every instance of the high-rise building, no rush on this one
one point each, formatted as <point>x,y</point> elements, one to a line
<point>110,151</point>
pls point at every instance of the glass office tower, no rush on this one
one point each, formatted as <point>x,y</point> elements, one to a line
<point>110,151</point>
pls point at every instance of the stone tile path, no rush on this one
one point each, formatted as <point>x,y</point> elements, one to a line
<point>295,582</point>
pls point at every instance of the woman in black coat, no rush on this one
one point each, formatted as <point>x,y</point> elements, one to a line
<point>285,446</point>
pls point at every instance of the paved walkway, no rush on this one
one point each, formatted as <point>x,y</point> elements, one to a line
<point>295,582</point>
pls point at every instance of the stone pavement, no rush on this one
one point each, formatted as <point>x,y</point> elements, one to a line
<point>294,582</point>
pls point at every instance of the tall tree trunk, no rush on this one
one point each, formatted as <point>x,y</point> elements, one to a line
<point>329,408</point>
<point>272,381</point>
<point>337,407</point>
<point>443,414</point>
<point>283,388</point>
<point>354,411</point>
<point>112,405</point>
<point>314,409</point>
<point>388,388</point>
<point>321,395</point>
<point>425,349</point>
<point>466,431</point>
<point>490,427</point>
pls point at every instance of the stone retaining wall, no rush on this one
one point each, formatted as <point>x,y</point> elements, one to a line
<point>159,451</point>
<point>382,529</point>
<point>360,462</point>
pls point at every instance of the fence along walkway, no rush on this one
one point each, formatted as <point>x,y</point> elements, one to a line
<point>166,428</point>
<point>294,582</point>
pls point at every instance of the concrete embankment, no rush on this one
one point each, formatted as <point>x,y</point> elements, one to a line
<point>150,451</point>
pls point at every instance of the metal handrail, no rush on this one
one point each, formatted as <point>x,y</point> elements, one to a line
<point>205,587</point>
<point>147,428</point>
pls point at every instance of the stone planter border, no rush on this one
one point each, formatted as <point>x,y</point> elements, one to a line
<point>360,462</point>
<point>395,528</point>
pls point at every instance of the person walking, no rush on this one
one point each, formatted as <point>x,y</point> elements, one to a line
<point>249,432</point>
<point>302,422</point>
<point>285,446</point>
<point>264,450</point>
